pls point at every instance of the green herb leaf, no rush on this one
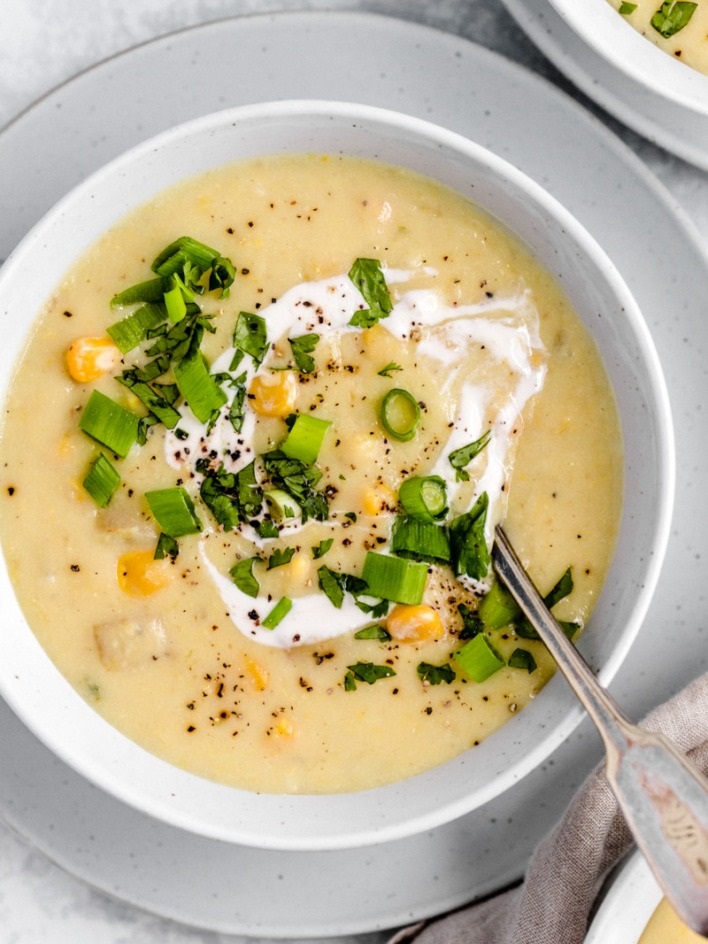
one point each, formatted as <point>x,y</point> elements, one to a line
<point>672,16</point>
<point>332,585</point>
<point>368,277</point>
<point>435,674</point>
<point>232,497</point>
<point>389,369</point>
<point>626,8</point>
<point>167,546</point>
<point>279,557</point>
<point>302,347</point>
<point>465,454</point>
<point>250,336</point>
<point>297,479</point>
<point>267,529</point>
<point>242,575</point>
<point>321,549</point>
<point>375,631</point>
<point>468,546</point>
<point>522,659</point>
<point>366,672</point>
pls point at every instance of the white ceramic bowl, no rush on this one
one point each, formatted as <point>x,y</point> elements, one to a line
<point>647,89</point>
<point>64,722</point>
<point>629,902</point>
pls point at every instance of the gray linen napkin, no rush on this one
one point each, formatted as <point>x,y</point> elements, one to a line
<point>568,868</point>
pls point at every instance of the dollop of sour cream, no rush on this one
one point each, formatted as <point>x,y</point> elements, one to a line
<point>515,358</point>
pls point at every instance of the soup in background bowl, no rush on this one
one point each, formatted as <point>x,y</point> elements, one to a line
<point>249,721</point>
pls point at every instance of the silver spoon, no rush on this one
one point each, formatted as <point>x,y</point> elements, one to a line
<point>664,799</point>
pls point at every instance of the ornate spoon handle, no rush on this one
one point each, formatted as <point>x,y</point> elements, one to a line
<point>664,799</point>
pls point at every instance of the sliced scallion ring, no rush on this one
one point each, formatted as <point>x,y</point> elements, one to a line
<point>400,414</point>
<point>478,659</point>
<point>278,613</point>
<point>424,497</point>
<point>174,511</point>
<point>102,480</point>
<point>305,438</point>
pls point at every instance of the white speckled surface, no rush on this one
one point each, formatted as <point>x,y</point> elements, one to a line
<point>46,42</point>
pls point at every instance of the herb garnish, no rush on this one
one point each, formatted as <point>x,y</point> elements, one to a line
<point>389,369</point>
<point>672,16</point>
<point>242,575</point>
<point>461,457</point>
<point>435,674</point>
<point>365,672</point>
<point>468,544</point>
<point>302,348</point>
<point>368,277</point>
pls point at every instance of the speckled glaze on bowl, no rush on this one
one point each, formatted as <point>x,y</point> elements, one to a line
<point>51,708</point>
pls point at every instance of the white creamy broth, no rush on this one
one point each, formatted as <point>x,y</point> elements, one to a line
<point>679,29</point>
<point>174,652</point>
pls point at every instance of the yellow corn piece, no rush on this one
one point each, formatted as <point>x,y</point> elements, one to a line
<point>407,623</point>
<point>87,359</point>
<point>375,336</point>
<point>378,499</point>
<point>139,574</point>
<point>273,394</point>
<point>259,674</point>
<point>284,727</point>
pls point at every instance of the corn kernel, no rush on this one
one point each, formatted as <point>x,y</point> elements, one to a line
<point>378,498</point>
<point>284,727</point>
<point>273,394</point>
<point>407,623</point>
<point>87,359</point>
<point>258,674</point>
<point>139,574</point>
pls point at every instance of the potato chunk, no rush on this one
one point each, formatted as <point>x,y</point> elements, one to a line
<point>128,643</point>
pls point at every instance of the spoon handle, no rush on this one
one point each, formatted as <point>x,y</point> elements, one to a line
<point>664,799</point>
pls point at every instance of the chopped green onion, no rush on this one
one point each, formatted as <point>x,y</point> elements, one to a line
<point>175,302</point>
<point>102,480</point>
<point>278,613</point>
<point>368,277</point>
<point>420,540</point>
<point>195,260</point>
<point>498,608</point>
<point>242,575</point>
<point>424,497</point>
<point>468,545</point>
<point>305,438</point>
<point>522,659</point>
<point>302,348</point>
<point>150,291</point>
<point>478,659</point>
<point>465,454</point>
<point>130,331</point>
<point>435,674</point>
<point>174,511</point>
<point>281,504</point>
<point>672,16</point>
<point>400,414</point>
<point>250,336</point>
<point>109,423</point>
<point>202,393</point>
<point>394,578</point>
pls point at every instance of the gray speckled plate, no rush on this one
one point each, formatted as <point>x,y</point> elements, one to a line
<point>662,118</point>
<point>465,87</point>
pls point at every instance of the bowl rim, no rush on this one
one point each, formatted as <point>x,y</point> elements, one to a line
<point>337,837</point>
<point>616,41</point>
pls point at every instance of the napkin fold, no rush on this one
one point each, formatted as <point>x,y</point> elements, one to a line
<point>567,870</point>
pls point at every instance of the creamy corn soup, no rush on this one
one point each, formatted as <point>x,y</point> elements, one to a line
<point>247,505</point>
<point>679,27</point>
<point>665,927</point>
